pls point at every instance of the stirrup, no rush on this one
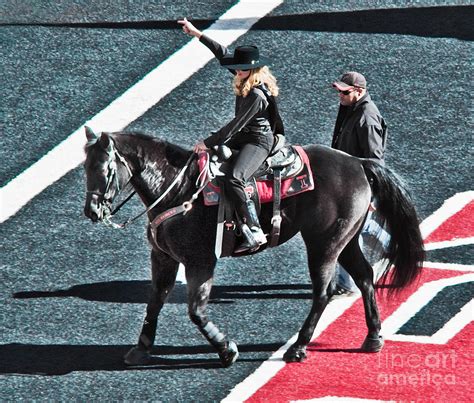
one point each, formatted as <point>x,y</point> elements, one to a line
<point>259,236</point>
<point>254,238</point>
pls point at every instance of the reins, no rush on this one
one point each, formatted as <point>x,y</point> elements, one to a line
<point>185,207</point>
<point>201,182</point>
<point>116,209</point>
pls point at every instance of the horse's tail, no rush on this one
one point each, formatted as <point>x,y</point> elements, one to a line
<point>393,201</point>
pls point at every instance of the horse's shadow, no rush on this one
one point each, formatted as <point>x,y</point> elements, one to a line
<point>137,291</point>
<point>63,359</point>
<point>49,360</point>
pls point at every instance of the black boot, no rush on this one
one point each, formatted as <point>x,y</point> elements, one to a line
<point>254,236</point>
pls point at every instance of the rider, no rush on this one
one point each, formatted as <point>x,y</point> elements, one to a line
<point>251,130</point>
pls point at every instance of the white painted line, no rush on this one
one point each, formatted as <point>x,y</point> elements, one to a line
<point>448,266</point>
<point>455,325</point>
<point>275,363</point>
<point>417,301</point>
<point>131,105</point>
<point>447,332</point>
<point>449,244</point>
<point>448,209</point>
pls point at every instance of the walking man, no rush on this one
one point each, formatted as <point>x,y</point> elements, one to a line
<point>360,130</point>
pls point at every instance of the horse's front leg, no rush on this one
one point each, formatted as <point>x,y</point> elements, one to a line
<point>163,271</point>
<point>321,271</point>
<point>199,279</point>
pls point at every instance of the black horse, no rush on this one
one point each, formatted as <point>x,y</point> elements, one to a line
<point>329,218</point>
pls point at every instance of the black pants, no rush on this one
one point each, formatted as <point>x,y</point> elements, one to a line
<point>243,166</point>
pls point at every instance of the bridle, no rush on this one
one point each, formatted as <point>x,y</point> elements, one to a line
<point>105,197</point>
<point>105,205</point>
<point>112,172</point>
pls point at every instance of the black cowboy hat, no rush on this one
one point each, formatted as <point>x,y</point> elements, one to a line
<point>244,58</point>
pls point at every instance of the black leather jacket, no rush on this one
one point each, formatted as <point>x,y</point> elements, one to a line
<point>360,130</point>
<point>251,123</point>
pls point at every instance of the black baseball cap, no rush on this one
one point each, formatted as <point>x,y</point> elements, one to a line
<point>350,79</point>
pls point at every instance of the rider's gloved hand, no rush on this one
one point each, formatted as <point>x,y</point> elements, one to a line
<point>199,147</point>
<point>189,28</point>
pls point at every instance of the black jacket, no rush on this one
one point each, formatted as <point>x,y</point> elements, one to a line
<point>254,122</point>
<point>360,130</point>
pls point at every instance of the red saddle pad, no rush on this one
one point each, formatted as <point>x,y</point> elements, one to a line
<point>301,182</point>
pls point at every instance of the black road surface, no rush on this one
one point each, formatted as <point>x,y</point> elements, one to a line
<point>73,294</point>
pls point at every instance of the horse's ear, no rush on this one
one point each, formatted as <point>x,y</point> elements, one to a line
<point>105,142</point>
<point>91,136</point>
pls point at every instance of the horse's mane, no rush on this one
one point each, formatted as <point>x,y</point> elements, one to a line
<point>157,148</point>
<point>154,149</point>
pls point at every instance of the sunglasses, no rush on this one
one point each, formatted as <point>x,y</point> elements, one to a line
<point>346,92</point>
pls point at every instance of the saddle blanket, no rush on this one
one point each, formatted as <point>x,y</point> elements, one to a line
<point>300,182</point>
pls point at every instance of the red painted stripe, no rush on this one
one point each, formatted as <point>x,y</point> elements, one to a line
<point>401,371</point>
<point>458,226</point>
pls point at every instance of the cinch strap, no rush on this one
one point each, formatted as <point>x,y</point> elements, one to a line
<point>276,219</point>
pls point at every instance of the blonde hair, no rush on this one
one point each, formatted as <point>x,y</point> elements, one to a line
<point>260,75</point>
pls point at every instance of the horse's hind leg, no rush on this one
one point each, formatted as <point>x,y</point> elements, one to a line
<point>321,269</point>
<point>354,262</point>
<point>163,274</point>
<point>199,280</point>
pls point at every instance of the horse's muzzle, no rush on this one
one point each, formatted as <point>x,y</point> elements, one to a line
<point>94,208</point>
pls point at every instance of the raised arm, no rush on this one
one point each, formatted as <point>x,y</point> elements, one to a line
<point>189,28</point>
<point>215,47</point>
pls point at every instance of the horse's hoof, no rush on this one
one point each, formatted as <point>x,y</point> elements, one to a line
<point>295,354</point>
<point>372,345</point>
<point>230,355</point>
<point>137,356</point>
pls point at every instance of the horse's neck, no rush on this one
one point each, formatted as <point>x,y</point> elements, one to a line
<point>156,173</point>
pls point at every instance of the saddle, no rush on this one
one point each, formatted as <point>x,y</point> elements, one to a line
<point>286,172</point>
<point>288,163</point>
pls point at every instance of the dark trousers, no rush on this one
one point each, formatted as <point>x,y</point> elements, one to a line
<point>243,166</point>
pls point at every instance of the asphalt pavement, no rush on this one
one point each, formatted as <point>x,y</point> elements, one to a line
<point>73,293</point>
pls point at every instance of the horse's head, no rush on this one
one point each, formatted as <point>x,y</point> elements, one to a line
<point>106,173</point>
